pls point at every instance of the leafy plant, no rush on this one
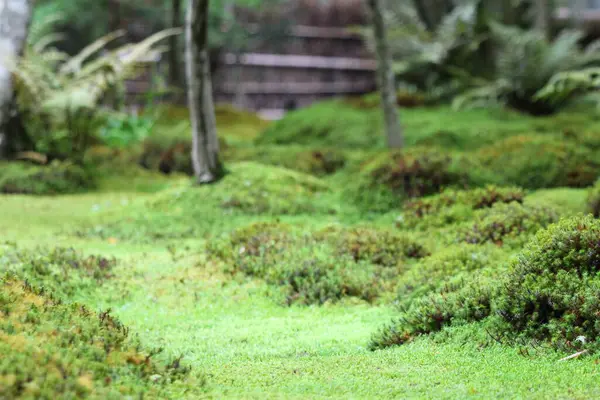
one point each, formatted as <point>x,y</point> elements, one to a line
<point>122,130</point>
<point>59,96</point>
<point>530,70</point>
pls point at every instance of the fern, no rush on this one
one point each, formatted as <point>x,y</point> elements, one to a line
<point>533,74</point>
<point>61,95</point>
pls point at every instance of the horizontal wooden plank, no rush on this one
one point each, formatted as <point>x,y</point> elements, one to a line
<point>296,87</point>
<point>301,61</point>
<point>318,32</point>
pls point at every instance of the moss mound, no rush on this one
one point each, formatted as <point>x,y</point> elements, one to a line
<point>248,190</point>
<point>63,271</point>
<point>552,292</point>
<point>454,286</point>
<point>390,178</point>
<point>314,161</point>
<point>536,161</point>
<point>316,266</point>
<point>55,178</point>
<point>55,350</point>
<point>453,206</point>
<point>507,223</point>
<point>327,124</point>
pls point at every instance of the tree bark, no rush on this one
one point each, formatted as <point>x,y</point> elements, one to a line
<point>205,145</point>
<point>174,76</point>
<point>387,84</point>
<point>15,17</point>
<point>543,17</point>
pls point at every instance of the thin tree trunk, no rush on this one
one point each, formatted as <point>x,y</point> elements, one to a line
<point>14,24</point>
<point>205,145</point>
<point>387,84</point>
<point>174,77</point>
<point>543,17</point>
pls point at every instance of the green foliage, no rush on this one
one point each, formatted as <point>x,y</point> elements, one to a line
<point>530,70</point>
<point>318,266</point>
<point>552,291</point>
<point>59,96</point>
<point>55,178</point>
<point>52,349</point>
<point>124,130</point>
<point>62,271</point>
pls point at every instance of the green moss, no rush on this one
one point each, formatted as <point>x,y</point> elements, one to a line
<point>317,266</point>
<point>63,271</point>
<point>506,223</point>
<point>52,349</point>
<point>536,161</point>
<point>189,210</point>
<point>593,200</point>
<point>552,292</point>
<point>55,178</point>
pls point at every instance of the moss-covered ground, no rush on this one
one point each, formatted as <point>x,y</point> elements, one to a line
<point>275,283</point>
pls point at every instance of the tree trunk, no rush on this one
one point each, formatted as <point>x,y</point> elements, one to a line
<point>543,17</point>
<point>14,24</point>
<point>174,77</point>
<point>387,84</point>
<point>205,145</point>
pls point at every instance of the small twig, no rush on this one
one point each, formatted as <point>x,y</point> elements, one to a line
<point>580,353</point>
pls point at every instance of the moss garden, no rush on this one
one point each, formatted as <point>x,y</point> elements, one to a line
<point>466,265</point>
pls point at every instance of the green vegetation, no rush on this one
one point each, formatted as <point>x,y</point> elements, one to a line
<point>55,178</point>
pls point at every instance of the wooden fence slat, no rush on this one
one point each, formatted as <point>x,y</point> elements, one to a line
<point>306,62</point>
<point>297,87</point>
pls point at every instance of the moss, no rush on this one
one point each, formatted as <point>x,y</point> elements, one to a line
<point>63,271</point>
<point>390,178</point>
<point>452,206</point>
<point>317,266</point>
<point>55,178</point>
<point>553,290</point>
<point>535,161</point>
<point>188,210</point>
<point>506,223</point>
<point>52,349</point>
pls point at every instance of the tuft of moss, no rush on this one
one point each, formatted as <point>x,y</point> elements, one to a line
<point>63,271</point>
<point>506,223</point>
<point>452,206</point>
<point>55,178</point>
<point>536,161</point>
<point>316,266</point>
<point>552,292</point>
<point>52,349</point>
<point>390,178</point>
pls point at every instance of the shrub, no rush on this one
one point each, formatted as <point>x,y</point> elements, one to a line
<point>318,266</point>
<point>61,270</point>
<point>506,222</point>
<point>55,178</point>
<point>593,200</point>
<point>552,292</point>
<point>536,161</point>
<point>52,349</point>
